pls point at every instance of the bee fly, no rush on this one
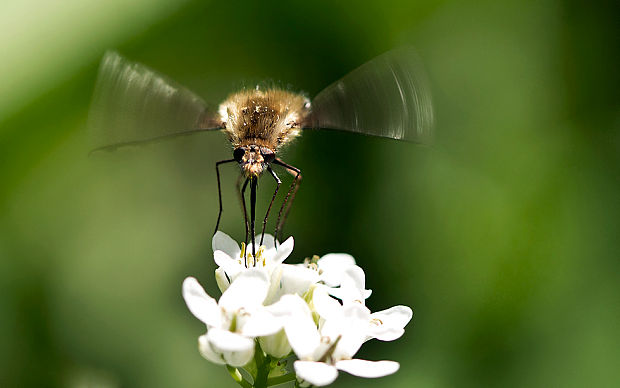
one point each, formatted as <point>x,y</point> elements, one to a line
<point>386,97</point>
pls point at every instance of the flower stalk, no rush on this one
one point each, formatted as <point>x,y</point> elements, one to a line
<point>263,367</point>
<point>236,375</point>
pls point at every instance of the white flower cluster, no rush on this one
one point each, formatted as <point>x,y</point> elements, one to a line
<point>315,309</point>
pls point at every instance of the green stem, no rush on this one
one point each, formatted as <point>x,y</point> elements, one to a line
<point>263,367</point>
<point>281,379</point>
<point>236,375</point>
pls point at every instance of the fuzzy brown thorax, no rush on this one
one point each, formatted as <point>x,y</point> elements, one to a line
<point>267,118</point>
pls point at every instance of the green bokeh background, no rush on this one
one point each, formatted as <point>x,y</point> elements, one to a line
<point>502,236</point>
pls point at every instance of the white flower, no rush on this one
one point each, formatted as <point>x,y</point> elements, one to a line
<point>389,324</point>
<point>385,325</point>
<point>352,286</point>
<point>339,272</point>
<point>229,256</point>
<point>235,320</point>
<point>322,352</point>
<point>315,309</point>
<point>331,267</point>
<point>283,278</point>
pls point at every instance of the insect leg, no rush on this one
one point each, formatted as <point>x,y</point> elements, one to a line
<point>219,190</point>
<point>286,205</point>
<point>278,183</point>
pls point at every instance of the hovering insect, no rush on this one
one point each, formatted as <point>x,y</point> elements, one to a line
<point>386,97</point>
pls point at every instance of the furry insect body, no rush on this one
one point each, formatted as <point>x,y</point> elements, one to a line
<point>387,97</point>
<point>259,122</point>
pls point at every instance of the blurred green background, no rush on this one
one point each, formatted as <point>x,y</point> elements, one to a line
<point>502,236</point>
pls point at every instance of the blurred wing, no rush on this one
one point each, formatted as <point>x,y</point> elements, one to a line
<point>132,104</point>
<point>388,97</point>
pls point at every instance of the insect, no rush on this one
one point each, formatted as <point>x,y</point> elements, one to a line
<point>386,97</point>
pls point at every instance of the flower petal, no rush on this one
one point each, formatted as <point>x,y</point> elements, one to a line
<point>207,351</point>
<point>200,304</point>
<point>284,250</point>
<point>221,279</point>
<point>369,369</point>
<point>223,242</point>
<point>354,277</point>
<point>275,345</point>
<point>247,291</point>
<point>332,267</point>
<point>388,325</point>
<point>231,265</point>
<point>352,328</point>
<point>268,243</point>
<point>261,323</point>
<point>274,285</point>
<point>352,287</point>
<point>296,280</point>
<point>236,349</point>
<point>326,306</point>
<point>298,324</point>
<point>316,373</point>
<point>350,295</point>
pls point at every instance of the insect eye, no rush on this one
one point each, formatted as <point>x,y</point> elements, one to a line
<point>268,154</point>
<point>238,154</point>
